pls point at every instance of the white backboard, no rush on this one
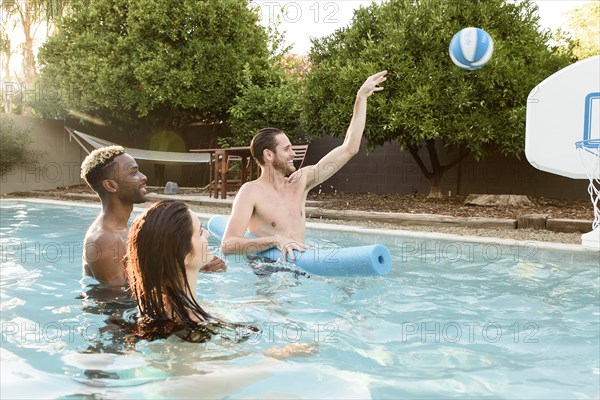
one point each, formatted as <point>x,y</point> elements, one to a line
<point>562,110</point>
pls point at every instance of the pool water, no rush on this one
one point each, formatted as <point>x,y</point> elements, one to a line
<point>452,319</point>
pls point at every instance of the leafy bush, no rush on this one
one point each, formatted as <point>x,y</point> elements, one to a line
<point>14,145</point>
<point>277,102</point>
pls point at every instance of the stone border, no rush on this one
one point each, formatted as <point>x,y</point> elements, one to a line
<point>405,219</point>
<point>529,221</point>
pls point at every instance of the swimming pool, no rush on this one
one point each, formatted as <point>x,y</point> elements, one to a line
<point>452,319</point>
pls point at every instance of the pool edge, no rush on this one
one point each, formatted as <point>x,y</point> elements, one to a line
<point>396,233</point>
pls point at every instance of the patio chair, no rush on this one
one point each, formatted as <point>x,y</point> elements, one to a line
<point>300,150</point>
<point>233,170</point>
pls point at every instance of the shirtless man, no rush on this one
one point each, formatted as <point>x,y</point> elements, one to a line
<point>273,206</point>
<point>115,177</point>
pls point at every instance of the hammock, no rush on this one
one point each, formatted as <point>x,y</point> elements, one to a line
<point>161,157</point>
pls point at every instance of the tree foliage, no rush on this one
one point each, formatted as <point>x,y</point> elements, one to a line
<point>276,102</point>
<point>584,23</point>
<point>29,16</point>
<point>427,101</point>
<point>167,63</point>
<point>15,144</point>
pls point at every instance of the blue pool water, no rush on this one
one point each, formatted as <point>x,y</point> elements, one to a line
<point>452,319</point>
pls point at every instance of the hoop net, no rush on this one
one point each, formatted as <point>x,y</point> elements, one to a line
<point>589,153</point>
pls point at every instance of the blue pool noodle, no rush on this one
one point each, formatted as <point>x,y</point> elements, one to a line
<point>326,261</point>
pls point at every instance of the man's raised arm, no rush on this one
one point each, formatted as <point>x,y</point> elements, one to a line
<point>338,157</point>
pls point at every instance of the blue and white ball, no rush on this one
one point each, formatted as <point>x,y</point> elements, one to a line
<point>471,48</point>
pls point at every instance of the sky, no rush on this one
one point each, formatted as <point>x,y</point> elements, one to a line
<point>302,19</point>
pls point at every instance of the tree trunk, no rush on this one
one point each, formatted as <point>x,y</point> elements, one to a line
<point>29,61</point>
<point>437,171</point>
<point>28,15</point>
<point>434,192</point>
<point>28,20</point>
<point>6,56</point>
<point>6,82</point>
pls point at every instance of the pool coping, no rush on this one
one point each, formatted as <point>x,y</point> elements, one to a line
<point>398,219</point>
<point>394,233</point>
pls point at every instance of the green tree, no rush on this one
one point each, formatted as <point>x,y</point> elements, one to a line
<point>428,102</point>
<point>162,63</point>
<point>584,23</point>
<point>14,142</point>
<point>29,16</point>
<point>276,102</point>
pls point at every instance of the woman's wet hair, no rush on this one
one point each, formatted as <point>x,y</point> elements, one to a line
<point>159,240</point>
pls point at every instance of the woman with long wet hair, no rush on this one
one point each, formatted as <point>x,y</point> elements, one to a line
<point>166,249</point>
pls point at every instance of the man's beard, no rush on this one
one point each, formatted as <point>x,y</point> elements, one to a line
<point>134,196</point>
<point>283,167</point>
<point>139,197</point>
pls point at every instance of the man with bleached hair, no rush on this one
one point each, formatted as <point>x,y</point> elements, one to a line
<point>115,177</point>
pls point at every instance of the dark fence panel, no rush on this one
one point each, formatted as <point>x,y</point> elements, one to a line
<point>390,170</point>
<point>386,169</point>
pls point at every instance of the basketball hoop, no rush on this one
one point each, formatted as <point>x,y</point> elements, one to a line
<point>562,133</point>
<point>589,153</point>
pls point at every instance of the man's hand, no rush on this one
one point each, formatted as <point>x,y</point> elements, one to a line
<point>287,247</point>
<point>371,83</point>
<point>214,265</point>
